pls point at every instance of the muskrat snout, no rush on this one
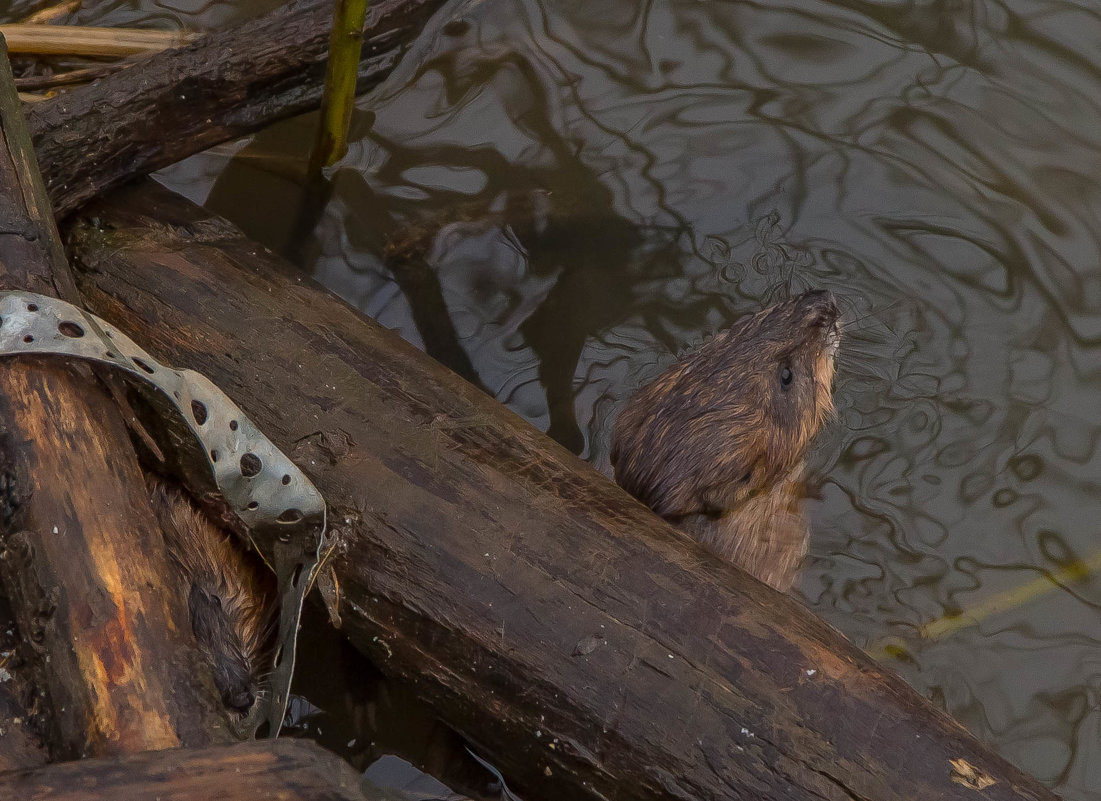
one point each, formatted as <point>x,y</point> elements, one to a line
<point>819,310</point>
<point>819,301</point>
<point>240,700</point>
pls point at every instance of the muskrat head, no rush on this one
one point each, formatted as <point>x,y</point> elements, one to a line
<point>231,659</point>
<point>735,416</point>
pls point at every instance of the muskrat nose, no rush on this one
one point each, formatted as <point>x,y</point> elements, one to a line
<point>240,699</point>
<point>819,307</point>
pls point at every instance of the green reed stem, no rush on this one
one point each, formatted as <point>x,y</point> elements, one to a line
<point>345,45</point>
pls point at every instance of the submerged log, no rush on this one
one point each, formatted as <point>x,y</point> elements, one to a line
<point>221,87</point>
<point>107,637</point>
<point>580,643</point>
<point>289,770</point>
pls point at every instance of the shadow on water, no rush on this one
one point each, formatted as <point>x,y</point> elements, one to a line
<point>553,212</point>
<point>379,727</point>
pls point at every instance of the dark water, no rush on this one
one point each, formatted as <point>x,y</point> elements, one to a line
<point>560,196</point>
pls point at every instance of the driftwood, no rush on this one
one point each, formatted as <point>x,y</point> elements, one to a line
<point>221,87</point>
<point>580,643</point>
<point>289,770</point>
<point>79,562</point>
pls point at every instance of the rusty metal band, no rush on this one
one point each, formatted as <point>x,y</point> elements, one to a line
<point>213,448</point>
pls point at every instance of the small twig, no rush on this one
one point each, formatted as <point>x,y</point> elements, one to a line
<point>50,14</point>
<point>36,83</point>
<point>997,603</point>
<point>73,40</point>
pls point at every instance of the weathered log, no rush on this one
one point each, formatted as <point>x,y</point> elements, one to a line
<point>80,562</point>
<point>583,645</point>
<point>20,743</point>
<point>20,747</point>
<point>289,770</point>
<point>221,87</point>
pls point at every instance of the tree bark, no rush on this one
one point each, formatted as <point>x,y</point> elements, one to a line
<point>221,87</point>
<point>289,770</point>
<point>80,561</point>
<point>21,745</point>
<point>585,647</point>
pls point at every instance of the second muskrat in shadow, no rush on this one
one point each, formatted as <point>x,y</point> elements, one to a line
<point>716,443</point>
<point>230,597</point>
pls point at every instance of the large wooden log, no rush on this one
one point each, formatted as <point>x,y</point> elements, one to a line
<point>583,645</point>
<point>80,561</point>
<point>221,87</point>
<point>288,770</point>
<point>20,744</point>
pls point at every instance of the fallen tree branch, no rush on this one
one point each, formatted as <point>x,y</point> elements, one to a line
<point>585,647</point>
<point>289,770</point>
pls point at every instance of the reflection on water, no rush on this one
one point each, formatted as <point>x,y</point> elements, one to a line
<point>564,194</point>
<point>195,15</point>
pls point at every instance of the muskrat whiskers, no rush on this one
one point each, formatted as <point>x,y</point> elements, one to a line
<point>265,632</point>
<point>853,324</point>
<point>858,365</point>
<point>852,355</point>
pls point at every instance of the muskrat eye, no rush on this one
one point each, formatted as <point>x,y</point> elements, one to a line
<point>786,376</point>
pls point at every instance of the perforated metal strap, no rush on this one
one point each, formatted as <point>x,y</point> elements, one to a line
<point>219,454</point>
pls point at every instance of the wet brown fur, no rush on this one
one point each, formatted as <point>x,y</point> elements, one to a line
<point>231,598</point>
<point>716,443</point>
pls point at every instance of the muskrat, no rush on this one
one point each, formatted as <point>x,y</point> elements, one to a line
<point>715,444</point>
<point>230,597</point>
